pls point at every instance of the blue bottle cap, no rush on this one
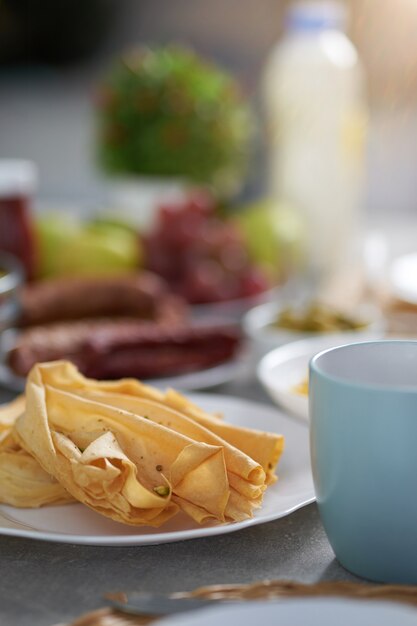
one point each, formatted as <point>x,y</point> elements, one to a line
<point>320,15</point>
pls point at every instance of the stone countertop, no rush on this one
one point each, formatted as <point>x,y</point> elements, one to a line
<point>49,583</point>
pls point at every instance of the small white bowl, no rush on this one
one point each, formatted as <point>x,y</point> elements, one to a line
<point>282,369</point>
<point>258,326</point>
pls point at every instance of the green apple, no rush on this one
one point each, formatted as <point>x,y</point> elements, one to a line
<point>99,253</point>
<point>110,223</point>
<point>274,234</point>
<point>71,248</point>
<point>53,231</point>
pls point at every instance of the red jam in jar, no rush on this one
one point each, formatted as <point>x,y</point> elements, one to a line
<point>18,182</point>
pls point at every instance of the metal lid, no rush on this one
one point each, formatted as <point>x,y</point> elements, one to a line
<point>17,177</point>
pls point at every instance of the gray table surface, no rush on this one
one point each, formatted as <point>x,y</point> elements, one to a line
<point>43,584</point>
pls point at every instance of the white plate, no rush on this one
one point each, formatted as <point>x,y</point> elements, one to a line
<point>233,310</point>
<point>300,612</point>
<point>287,366</point>
<point>75,523</point>
<point>194,381</point>
<point>203,379</point>
<point>402,278</point>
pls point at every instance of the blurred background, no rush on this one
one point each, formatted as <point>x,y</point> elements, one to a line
<point>234,153</point>
<point>301,116</point>
<point>52,54</point>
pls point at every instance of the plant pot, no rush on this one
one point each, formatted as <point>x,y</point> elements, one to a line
<point>136,199</point>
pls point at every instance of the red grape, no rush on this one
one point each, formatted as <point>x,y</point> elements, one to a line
<point>202,257</point>
<point>253,282</point>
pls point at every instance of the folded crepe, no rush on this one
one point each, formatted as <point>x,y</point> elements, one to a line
<point>138,455</point>
<point>23,482</point>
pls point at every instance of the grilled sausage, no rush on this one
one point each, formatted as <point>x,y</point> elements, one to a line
<point>143,295</point>
<point>114,349</point>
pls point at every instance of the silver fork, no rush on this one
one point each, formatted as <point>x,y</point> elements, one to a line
<point>143,603</point>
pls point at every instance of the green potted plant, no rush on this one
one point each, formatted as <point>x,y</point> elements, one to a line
<point>168,118</point>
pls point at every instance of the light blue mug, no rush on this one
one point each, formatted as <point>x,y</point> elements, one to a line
<point>363,436</point>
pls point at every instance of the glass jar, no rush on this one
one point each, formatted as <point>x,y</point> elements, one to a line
<point>18,183</point>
